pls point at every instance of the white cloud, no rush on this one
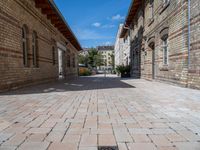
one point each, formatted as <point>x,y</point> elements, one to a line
<point>108,26</point>
<point>118,17</point>
<point>96,24</point>
<point>107,43</point>
<point>90,35</point>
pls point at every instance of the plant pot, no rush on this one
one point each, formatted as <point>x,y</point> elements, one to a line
<point>125,75</point>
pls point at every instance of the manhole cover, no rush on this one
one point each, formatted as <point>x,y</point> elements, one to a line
<point>108,148</point>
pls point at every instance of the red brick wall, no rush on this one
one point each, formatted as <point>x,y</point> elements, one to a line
<point>194,68</point>
<point>13,15</point>
<point>175,18</point>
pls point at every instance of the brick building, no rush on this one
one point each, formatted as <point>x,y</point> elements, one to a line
<point>36,44</point>
<point>165,40</point>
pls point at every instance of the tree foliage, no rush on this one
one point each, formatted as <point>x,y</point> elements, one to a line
<point>92,59</point>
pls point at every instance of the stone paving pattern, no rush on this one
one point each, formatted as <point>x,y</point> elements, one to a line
<point>97,111</point>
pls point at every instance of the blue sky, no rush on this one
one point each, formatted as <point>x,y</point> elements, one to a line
<point>94,22</point>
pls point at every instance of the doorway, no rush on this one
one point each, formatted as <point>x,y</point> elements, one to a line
<point>153,60</point>
<point>60,64</point>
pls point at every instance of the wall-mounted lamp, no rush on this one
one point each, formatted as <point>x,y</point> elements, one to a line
<point>126,27</point>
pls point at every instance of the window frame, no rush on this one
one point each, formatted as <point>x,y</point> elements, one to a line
<point>68,61</point>
<point>151,9</point>
<point>73,61</point>
<point>25,46</point>
<point>34,49</point>
<point>53,55</point>
<point>166,2</point>
<point>165,48</point>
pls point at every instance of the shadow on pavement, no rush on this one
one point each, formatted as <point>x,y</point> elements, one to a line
<point>81,84</point>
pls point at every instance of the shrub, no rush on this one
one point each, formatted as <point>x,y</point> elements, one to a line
<point>121,69</point>
<point>84,72</point>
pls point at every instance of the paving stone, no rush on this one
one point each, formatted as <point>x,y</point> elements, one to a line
<point>88,148</point>
<point>8,147</point>
<point>122,136</point>
<point>102,111</point>
<point>106,140</point>
<point>140,138</point>
<point>174,137</point>
<point>88,140</point>
<point>141,146</point>
<point>16,140</point>
<point>55,136</point>
<point>188,145</point>
<point>38,137</point>
<point>5,136</point>
<point>189,136</point>
<point>167,148</point>
<point>39,130</point>
<point>122,146</point>
<point>34,146</point>
<point>160,140</point>
<point>71,138</point>
<point>62,146</point>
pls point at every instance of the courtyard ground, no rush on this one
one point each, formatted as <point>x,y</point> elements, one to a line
<point>96,111</point>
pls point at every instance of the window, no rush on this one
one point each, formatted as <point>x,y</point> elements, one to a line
<point>53,55</point>
<point>151,9</point>
<point>34,49</point>
<point>68,61</point>
<point>166,2</point>
<point>24,46</point>
<point>165,50</point>
<point>73,61</point>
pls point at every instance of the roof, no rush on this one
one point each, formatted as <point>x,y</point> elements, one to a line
<point>131,14</point>
<point>100,48</point>
<point>49,8</point>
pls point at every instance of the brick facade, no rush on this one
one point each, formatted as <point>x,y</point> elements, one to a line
<point>14,15</point>
<point>159,41</point>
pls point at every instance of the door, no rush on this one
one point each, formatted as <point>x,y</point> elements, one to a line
<point>153,62</point>
<point>60,64</point>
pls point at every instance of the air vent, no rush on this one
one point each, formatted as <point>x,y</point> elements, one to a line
<point>108,148</point>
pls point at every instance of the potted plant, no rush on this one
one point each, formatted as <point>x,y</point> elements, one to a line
<point>124,71</point>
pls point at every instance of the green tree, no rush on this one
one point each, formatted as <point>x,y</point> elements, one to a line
<point>94,58</point>
<point>83,59</point>
<point>91,57</point>
<point>112,62</point>
<point>98,60</point>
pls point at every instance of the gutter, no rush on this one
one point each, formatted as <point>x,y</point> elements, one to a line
<point>189,31</point>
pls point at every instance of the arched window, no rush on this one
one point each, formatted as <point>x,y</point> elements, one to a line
<point>24,46</point>
<point>151,9</point>
<point>34,49</point>
<point>165,50</point>
<point>165,47</point>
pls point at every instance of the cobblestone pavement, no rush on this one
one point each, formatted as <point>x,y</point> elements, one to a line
<point>97,111</point>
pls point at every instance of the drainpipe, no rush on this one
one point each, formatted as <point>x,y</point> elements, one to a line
<point>189,39</point>
<point>189,32</point>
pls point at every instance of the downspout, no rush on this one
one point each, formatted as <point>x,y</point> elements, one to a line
<point>189,38</point>
<point>189,32</point>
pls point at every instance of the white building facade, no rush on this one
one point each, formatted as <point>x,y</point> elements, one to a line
<point>107,53</point>
<point>122,48</point>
